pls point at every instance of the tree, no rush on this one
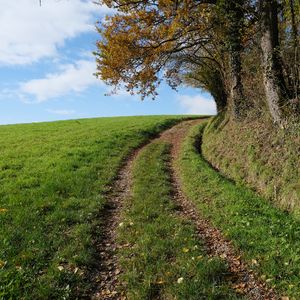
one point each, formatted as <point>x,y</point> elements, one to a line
<point>147,40</point>
<point>203,43</point>
<point>276,89</point>
<point>144,39</point>
<point>234,11</point>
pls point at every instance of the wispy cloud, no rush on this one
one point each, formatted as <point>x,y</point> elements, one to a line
<point>72,78</point>
<point>62,112</point>
<point>198,104</point>
<point>30,32</point>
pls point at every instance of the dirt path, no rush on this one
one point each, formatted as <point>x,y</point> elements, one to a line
<point>108,271</point>
<point>242,279</point>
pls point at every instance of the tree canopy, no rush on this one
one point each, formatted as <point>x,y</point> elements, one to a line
<point>221,46</point>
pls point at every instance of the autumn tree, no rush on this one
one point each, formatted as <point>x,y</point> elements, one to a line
<point>147,40</point>
<point>205,44</point>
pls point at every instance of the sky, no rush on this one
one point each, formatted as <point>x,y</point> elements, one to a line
<point>47,66</point>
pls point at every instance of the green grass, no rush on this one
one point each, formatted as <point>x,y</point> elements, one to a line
<point>268,238</point>
<point>258,154</point>
<point>52,180</point>
<point>164,249</point>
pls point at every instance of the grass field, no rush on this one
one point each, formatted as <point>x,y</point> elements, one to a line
<point>52,180</point>
<point>268,238</point>
<point>165,259</point>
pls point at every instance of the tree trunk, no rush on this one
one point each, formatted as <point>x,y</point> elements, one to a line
<point>234,12</point>
<point>237,91</point>
<point>294,25</point>
<point>220,98</point>
<point>218,91</point>
<point>274,83</point>
<point>221,101</point>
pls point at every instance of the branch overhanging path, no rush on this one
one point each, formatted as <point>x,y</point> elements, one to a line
<point>106,277</point>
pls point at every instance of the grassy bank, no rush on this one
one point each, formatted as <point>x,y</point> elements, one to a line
<point>162,258</point>
<point>268,238</point>
<point>52,180</point>
<point>260,154</point>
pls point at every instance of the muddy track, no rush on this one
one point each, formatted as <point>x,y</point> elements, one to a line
<point>106,276</point>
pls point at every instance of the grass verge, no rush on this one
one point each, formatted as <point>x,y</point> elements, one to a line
<point>268,238</point>
<point>161,256</point>
<point>257,153</point>
<point>53,177</point>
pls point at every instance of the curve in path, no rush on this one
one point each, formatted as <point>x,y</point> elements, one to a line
<point>242,278</point>
<point>106,276</point>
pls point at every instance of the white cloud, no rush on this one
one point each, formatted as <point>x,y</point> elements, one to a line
<point>62,112</point>
<point>30,32</point>
<point>198,104</point>
<point>72,78</point>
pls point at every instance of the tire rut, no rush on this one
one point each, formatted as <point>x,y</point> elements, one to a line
<point>108,271</point>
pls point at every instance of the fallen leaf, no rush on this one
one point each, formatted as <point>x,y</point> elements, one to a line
<point>2,263</point>
<point>160,281</point>
<point>180,280</point>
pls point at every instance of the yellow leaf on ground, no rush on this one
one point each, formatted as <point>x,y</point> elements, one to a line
<point>2,263</point>
<point>180,280</point>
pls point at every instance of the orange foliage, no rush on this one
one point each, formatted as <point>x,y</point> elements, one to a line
<point>140,43</point>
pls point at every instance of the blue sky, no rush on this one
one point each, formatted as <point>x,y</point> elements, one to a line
<point>46,68</point>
